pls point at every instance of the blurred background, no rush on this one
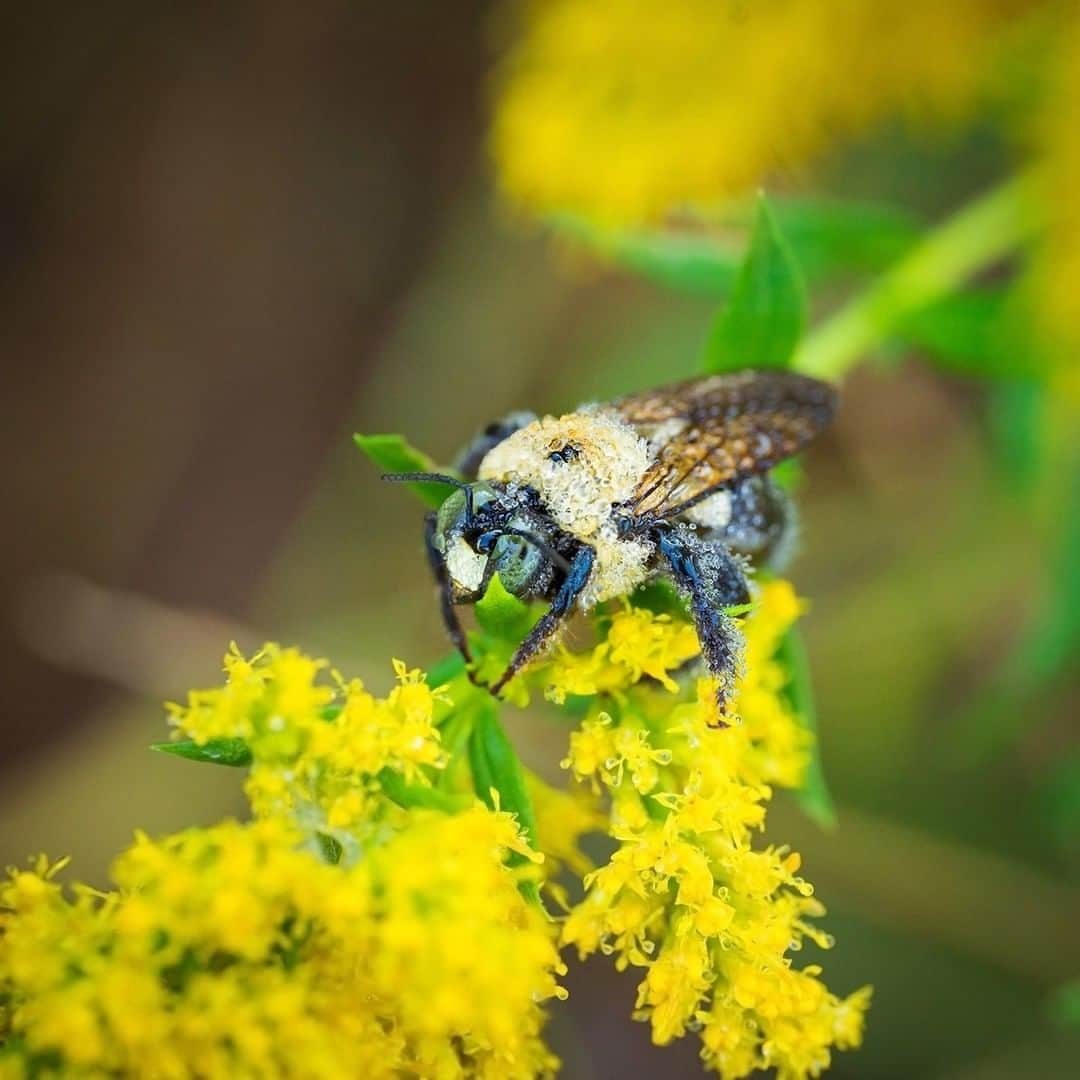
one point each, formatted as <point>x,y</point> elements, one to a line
<point>235,234</point>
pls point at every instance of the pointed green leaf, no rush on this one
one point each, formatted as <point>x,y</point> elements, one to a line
<point>393,454</point>
<point>410,796</point>
<point>496,767</point>
<point>499,779</point>
<point>764,317</point>
<point>814,796</point>
<point>502,614</point>
<point>828,238</point>
<point>233,752</point>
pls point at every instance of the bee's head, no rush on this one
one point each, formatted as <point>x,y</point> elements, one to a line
<point>486,528</point>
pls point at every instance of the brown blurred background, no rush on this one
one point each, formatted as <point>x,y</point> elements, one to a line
<point>232,235</point>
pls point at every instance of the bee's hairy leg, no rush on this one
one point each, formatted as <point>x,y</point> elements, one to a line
<point>713,579</point>
<point>446,596</point>
<point>581,566</point>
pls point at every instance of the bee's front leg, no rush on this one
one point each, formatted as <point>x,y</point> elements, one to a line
<point>581,566</point>
<point>446,596</point>
<point>713,580</point>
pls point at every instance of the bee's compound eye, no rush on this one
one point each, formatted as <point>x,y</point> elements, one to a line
<point>451,516</point>
<point>518,563</point>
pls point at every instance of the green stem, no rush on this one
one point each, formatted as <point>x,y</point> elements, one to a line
<point>974,238</point>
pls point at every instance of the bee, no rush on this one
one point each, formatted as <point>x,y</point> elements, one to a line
<point>578,509</point>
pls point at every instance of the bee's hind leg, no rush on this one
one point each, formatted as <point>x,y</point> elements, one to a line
<point>577,577</point>
<point>713,579</point>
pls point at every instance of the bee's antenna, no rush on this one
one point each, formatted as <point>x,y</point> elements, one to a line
<point>434,478</point>
<point>423,477</point>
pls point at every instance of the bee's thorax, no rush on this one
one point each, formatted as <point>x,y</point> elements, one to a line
<point>582,466</point>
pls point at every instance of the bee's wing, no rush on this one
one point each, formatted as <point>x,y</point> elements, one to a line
<point>710,431</point>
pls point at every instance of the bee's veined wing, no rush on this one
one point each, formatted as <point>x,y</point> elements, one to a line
<point>716,429</point>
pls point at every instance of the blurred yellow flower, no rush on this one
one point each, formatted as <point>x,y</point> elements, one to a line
<point>227,952</point>
<point>623,112</point>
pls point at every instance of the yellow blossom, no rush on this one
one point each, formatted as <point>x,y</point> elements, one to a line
<point>228,952</point>
<point>625,111</point>
<point>377,920</point>
<point>638,643</point>
<point>686,896</point>
<point>628,112</point>
<point>319,742</point>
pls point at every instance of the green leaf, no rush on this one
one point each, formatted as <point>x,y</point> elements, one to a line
<point>496,767</point>
<point>981,333</point>
<point>446,670</point>
<point>1059,800</point>
<point>736,611</point>
<point>828,238</point>
<point>789,474</point>
<point>233,752</point>
<point>660,597</point>
<point>764,317</point>
<point>1048,645</point>
<point>329,848</point>
<point>410,796</point>
<point>1020,420</point>
<point>1065,1005</point>
<point>814,796</point>
<point>501,614</point>
<point>393,454</point>
<point>698,262</point>
<point>831,237</point>
<point>499,780</point>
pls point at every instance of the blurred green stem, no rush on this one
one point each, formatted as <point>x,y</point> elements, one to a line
<point>971,240</point>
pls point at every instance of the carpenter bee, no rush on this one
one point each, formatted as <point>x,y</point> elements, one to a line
<point>585,507</point>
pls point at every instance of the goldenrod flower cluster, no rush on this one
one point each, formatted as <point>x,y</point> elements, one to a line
<point>378,919</point>
<point>322,748</point>
<point>686,898</point>
<point>625,112</point>
<point>403,946</point>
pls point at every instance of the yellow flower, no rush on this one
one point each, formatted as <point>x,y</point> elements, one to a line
<point>376,920</point>
<point>637,643</point>
<point>625,113</point>
<point>686,896</point>
<point>320,743</point>
<point>228,952</point>
<point>562,819</point>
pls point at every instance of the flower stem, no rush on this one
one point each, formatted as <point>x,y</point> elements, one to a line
<point>974,238</point>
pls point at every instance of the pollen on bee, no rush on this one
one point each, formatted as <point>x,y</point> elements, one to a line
<point>465,566</point>
<point>578,489</point>
<point>713,512</point>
